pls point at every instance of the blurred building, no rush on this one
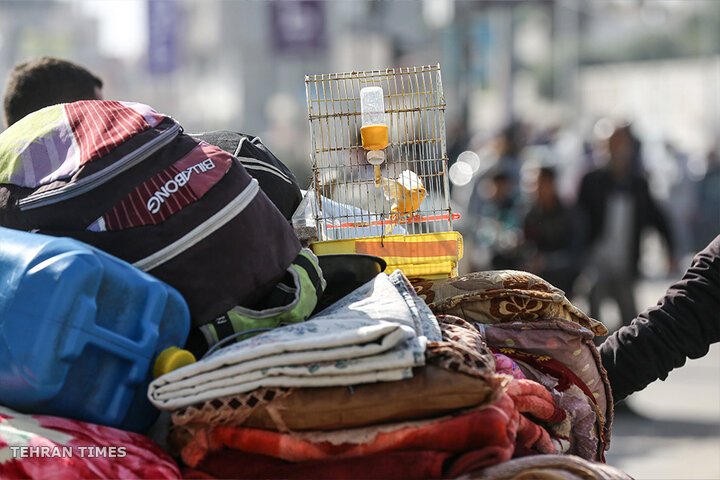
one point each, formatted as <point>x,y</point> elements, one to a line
<point>241,64</point>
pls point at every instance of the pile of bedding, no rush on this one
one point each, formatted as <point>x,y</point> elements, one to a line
<point>438,379</point>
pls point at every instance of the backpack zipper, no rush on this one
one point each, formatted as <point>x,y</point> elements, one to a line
<point>252,164</point>
<point>98,178</point>
<point>202,231</point>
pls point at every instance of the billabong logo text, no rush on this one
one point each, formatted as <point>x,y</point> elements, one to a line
<point>174,184</point>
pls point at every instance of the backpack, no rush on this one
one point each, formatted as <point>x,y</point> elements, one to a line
<point>276,180</point>
<point>126,179</point>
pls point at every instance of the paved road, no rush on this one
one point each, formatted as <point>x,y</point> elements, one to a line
<point>678,435</point>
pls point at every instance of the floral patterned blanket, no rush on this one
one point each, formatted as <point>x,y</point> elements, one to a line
<point>500,296</point>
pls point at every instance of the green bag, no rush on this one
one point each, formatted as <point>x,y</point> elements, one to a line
<point>292,300</point>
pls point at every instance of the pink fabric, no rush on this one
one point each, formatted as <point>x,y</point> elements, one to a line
<point>507,366</point>
<point>533,436</point>
<point>534,401</point>
<point>59,448</point>
<point>532,398</point>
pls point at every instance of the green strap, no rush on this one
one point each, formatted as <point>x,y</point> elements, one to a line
<point>311,269</point>
<point>307,291</point>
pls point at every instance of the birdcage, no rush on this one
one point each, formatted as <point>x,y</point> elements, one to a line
<point>387,197</point>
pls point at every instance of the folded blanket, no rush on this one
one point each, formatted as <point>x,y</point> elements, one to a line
<point>431,392</point>
<point>416,464</point>
<point>494,426</point>
<point>500,296</point>
<point>377,333</point>
<point>408,465</point>
<point>446,447</point>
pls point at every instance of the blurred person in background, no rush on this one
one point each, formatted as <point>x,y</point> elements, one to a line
<point>496,221</point>
<point>682,186</point>
<point>510,145</point>
<point>46,81</point>
<point>616,205</point>
<point>551,245</point>
<point>494,214</point>
<point>707,214</point>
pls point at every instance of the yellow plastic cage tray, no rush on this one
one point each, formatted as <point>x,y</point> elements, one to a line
<point>428,255</point>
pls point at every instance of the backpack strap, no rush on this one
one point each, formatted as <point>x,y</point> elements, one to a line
<point>292,300</point>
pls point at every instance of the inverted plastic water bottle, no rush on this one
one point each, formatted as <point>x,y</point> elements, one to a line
<point>374,130</point>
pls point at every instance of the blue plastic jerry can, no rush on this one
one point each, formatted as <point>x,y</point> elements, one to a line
<point>80,331</point>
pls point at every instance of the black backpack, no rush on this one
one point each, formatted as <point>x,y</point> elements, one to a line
<point>276,180</point>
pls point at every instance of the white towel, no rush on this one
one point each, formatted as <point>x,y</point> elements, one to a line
<point>376,333</point>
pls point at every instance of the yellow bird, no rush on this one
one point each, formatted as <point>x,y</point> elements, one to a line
<point>406,193</point>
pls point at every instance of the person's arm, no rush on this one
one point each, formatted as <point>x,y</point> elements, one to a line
<point>684,323</point>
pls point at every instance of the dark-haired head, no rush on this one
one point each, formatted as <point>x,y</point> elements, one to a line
<point>46,81</point>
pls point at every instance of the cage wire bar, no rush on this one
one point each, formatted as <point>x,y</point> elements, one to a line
<point>348,203</point>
